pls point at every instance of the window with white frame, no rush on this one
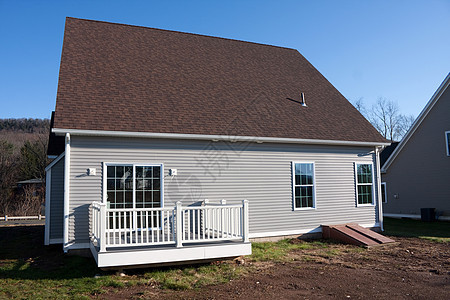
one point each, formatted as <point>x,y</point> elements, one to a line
<point>303,185</point>
<point>364,184</point>
<point>383,192</point>
<point>447,142</point>
<point>133,186</point>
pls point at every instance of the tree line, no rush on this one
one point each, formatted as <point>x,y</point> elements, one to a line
<point>24,125</point>
<point>23,156</point>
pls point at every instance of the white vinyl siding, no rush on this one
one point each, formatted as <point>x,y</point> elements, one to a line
<point>260,173</point>
<point>364,184</point>
<point>303,183</point>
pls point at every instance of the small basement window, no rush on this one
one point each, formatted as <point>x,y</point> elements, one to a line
<point>364,184</point>
<point>383,192</point>
<point>303,185</point>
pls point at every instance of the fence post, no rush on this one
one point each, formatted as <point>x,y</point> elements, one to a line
<point>102,239</point>
<point>179,231</point>
<point>245,222</point>
<point>6,217</point>
<point>39,217</point>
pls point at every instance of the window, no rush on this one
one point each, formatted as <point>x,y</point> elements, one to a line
<point>383,192</point>
<point>303,185</point>
<point>133,186</point>
<point>447,142</point>
<point>364,184</point>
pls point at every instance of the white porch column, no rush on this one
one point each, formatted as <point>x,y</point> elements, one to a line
<point>102,239</point>
<point>179,226</point>
<point>245,223</point>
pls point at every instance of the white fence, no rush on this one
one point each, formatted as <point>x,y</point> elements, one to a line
<point>8,218</point>
<point>158,226</point>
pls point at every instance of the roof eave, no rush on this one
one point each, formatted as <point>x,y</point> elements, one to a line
<point>228,138</point>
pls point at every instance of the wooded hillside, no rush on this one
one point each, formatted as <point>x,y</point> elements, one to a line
<point>23,156</point>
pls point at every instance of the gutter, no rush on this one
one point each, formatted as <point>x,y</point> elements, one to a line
<point>228,138</point>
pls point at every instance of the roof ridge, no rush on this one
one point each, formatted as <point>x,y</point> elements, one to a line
<point>182,32</point>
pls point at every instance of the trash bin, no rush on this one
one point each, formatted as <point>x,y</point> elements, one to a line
<point>428,214</point>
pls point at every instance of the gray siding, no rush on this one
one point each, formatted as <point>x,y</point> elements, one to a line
<point>420,174</point>
<point>260,173</point>
<point>57,200</point>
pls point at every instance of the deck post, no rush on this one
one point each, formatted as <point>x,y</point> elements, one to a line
<point>179,231</point>
<point>245,231</point>
<point>102,240</point>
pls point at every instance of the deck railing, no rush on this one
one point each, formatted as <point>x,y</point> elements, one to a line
<point>177,225</point>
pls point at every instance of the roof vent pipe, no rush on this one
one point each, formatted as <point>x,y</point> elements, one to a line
<point>302,96</point>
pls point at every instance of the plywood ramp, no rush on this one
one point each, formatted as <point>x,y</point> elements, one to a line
<point>354,234</point>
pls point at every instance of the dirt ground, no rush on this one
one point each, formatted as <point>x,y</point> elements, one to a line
<point>412,269</point>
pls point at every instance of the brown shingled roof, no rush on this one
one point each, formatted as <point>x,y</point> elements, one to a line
<point>126,78</point>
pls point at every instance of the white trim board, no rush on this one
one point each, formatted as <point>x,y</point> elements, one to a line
<point>447,142</point>
<point>156,256</point>
<point>56,241</point>
<point>178,136</point>
<point>55,161</point>
<point>444,85</point>
<point>48,182</point>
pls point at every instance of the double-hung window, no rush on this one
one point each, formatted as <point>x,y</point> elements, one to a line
<point>364,184</point>
<point>303,185</point>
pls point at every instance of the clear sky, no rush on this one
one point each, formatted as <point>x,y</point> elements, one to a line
<point>399,50</point>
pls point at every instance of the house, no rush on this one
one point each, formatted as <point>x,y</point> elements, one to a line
<point>174,146</point>
<point>417,173</point>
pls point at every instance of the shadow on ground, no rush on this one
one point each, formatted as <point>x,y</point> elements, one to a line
<point>24,256</point>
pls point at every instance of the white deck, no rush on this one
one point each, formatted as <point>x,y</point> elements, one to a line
<point>137,237</point>
<point>138,256</point>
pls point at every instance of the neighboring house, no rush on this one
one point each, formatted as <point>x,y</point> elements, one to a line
<point>153,128</point>
<point>417,173</point>
<point>36,184</point>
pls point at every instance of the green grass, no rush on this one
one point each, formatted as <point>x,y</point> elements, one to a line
<point>28,270</point>
<point>434,231</point>
<point>277,251</point>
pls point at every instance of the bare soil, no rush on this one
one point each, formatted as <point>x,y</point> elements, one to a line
<point>411,269</point>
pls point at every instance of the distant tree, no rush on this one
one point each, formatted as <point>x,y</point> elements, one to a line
<point>385,116</point>
<point>8,174</point>
<point>33,159</point>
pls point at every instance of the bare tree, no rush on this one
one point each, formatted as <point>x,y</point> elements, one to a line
<point>8,174</point>
<point>385,116</point>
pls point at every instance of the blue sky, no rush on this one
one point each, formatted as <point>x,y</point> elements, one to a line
<point>399,50</point>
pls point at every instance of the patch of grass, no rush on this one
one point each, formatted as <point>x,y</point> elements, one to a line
<point>277,251</point>
<point>28,270</point>
<point>434,231</point>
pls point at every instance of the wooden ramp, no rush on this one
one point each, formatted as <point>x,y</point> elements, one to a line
<point>355,235</point>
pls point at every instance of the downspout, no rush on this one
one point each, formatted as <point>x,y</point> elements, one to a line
<point>380,206</point>
<point>66,194</point>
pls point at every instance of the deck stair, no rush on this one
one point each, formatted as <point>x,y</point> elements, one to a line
<point>354,234</point>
